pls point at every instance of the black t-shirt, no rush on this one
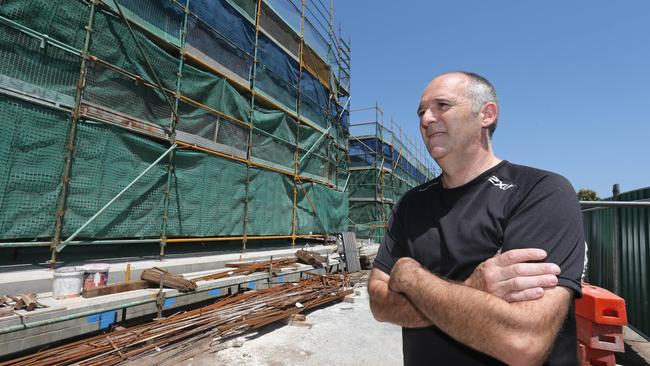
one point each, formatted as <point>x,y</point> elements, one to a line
<point>451,231</point>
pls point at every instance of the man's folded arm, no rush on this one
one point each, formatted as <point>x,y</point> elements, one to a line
<point>390,306</point>
<point>518,333</point>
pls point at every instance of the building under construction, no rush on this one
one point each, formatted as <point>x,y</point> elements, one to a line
<point>163,121</point>
<point>172,140</point>
<point>384,164</point>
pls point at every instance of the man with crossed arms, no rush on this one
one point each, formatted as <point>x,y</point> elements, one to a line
<point>480,266</point>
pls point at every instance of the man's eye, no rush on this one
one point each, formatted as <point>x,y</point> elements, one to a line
<point>443,105</point>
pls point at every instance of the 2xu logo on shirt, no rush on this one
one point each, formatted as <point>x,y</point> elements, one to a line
<point>498,183</point>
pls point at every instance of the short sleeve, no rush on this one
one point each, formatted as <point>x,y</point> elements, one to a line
<point>394,245</point>
<point>548,217</point>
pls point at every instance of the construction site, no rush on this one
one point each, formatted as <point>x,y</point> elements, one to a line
<point>183,179</point>
<point>384,164</point>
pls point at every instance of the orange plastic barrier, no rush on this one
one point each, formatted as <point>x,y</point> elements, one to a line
<point>598,336</point>
<point>601,306</point>
<point>582,355</point>
<point>597,357</point>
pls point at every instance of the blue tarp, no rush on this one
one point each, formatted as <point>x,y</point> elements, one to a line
<point>226,20</point>
<point>278,61</point>
<point>363,153</point>
<point>202,37</point>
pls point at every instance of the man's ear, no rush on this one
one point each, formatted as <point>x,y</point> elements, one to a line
<point>490,111</point>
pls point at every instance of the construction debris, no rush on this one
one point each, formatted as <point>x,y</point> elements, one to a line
<point>26,302</point>
<point>299,320</point>
<point>351,254</point>
<point>157,275</point>
<point>5,308</point>
<point>178,337</point>
<point>367,255</point>
<point>313,259</point>
<point>245,268</point>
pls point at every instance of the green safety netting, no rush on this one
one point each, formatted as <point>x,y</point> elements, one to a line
<point>208,193</point>
<point>321,209</point>
<point>247,6</point>
<point>371,183</point>
<point>314,153</point>
<point>274,137</point>
<point>62,20</point>
<point>163,18</point>
<point>368,219</point>
<point>112,43</point>
<point>372,195</point>
<point>107,159</point>
<point>215,92</point>
<point>25,66</point>
<point>32,152</point>
<point>202,123</point>
<point>118,93</point>
<point>363,183</point>
<point>270,203</point>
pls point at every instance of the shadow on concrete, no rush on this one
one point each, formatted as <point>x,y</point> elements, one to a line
<point>630,358</point>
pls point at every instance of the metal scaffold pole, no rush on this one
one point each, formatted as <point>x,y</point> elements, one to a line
<point>76,113</point>
<point>616,242</point>
<point>174,121</point>
<point>173,108</point>
<point>297,158</point>
<point>249,146</point>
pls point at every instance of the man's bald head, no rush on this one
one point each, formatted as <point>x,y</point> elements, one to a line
<point>480,91</point>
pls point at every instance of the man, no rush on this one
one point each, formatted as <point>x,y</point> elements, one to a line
<point>461,268</point>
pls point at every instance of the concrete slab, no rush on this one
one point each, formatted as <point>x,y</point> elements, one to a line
<point>637,343</point>
<point>340,334</point>
<point>40,280</point>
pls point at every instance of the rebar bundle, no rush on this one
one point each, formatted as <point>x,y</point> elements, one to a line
<point>171,337</point>
<point>156,275</point>
<point>245,268</point>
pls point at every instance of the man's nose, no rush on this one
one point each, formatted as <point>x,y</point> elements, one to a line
<point>427,118</point>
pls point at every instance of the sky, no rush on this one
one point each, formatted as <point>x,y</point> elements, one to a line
<point>572,77</point>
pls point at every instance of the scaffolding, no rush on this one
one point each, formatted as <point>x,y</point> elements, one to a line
<point>171,121</point>
<point>384,164</point>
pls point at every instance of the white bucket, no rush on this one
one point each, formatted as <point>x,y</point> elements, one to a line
<point>67,282</point>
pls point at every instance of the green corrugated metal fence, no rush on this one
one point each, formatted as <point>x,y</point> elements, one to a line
<point>633,234</point>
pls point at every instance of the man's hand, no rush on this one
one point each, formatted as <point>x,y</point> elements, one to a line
<point>509,276</point>
<point>389,306</point>
<point>399,275</point>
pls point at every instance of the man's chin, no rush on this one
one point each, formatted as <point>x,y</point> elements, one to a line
<point>437,152</point>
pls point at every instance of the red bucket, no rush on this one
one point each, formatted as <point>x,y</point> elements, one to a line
<point>96,275</point>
